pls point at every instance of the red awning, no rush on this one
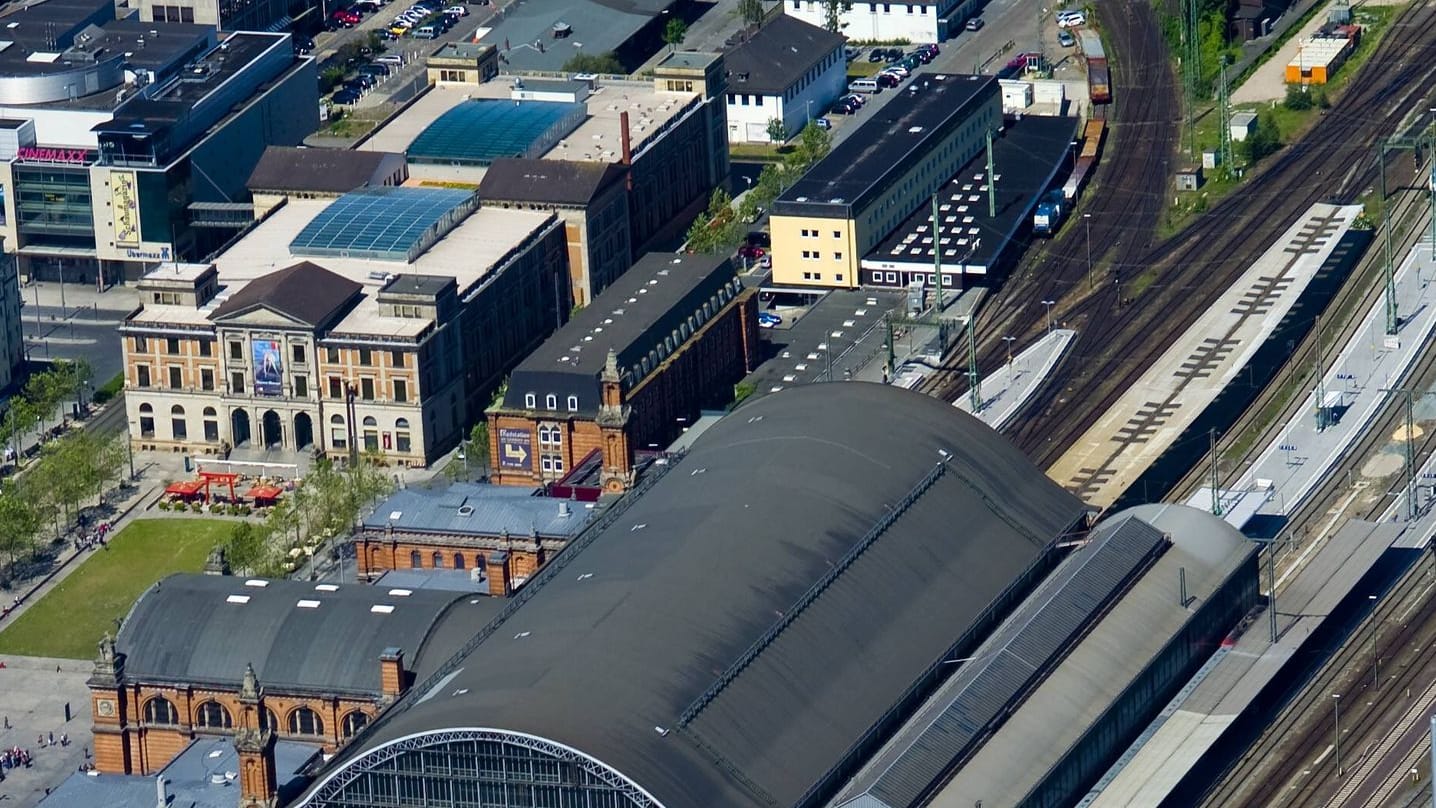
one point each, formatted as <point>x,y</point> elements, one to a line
<point>264,492</point>
<point>185,489</point>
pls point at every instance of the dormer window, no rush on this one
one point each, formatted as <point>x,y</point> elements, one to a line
<point>530,400</point>
<point>551,401</point>
<point>573,403</point>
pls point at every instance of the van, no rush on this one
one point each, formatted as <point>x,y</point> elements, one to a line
<point>390,59</point>
<point>864,86</point>
<point>426,32</point>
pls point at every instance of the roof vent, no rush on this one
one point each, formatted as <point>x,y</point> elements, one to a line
<point>308,604</point>
<point>326,588</point>
<point>259,582</point>
<point>466,510</point>
<point>241,599</point>
<point>381,608</point>
<point>401,593</point>
<point>563,510</point>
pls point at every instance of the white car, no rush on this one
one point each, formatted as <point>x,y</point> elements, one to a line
<point>456,11</point>
<point>897,70</point>
<point>1071,19</point>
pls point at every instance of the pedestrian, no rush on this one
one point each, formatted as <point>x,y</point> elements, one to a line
<point>7,722</point>
<point>64,739</point>
<point>52,734</point>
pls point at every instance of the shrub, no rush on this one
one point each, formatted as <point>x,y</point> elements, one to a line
<point>1297,99</point>
<point>164,505</point>
<point>196,507</point>
<point>108,390</point>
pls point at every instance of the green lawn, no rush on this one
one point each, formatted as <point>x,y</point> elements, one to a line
<point>69,621</point>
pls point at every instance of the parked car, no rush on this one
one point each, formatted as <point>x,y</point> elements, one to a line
<point>892,55</point>
<point>361,82</point>
<point>886,79</point>
<point>349,16</point>
<point>1071,19</point>
<point>871,85</point>
<point>823,123</point>
<point>751,251</point>
<point>930,49</point>
<point>897,70</point>
<point>851,53</point>
<point>974,24</point>
<point>855,98</point>
<point>303,45</point>
<point>378,71</point>
<point>767,319</point>
<point>457,11</point>
<point>345,97</point>
<point>1065,38</point>
<point>426,32</point>
<point>390,59</point>
<point>921,55</point>
<point>877,55</point>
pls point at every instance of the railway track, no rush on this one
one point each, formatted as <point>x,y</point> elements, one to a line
<point>1118,339</point>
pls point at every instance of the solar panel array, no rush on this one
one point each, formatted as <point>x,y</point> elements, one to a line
<point>392,224</point>
<point>479,131</point>
<point>984,688</point>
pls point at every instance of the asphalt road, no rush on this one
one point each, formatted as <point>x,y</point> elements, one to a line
<point>81,336</point>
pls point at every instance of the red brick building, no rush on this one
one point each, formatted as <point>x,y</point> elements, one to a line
<point>495,537</point>
<point>313,662</point>
<point>668,338</point>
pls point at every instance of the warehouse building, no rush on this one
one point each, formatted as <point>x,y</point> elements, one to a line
<point>669,338</point>
<point>487,538</point>
<point>659,145</point>
<point>787,70</point>
<point>380,322</point>
<point>129,148</point>
<point>918,21</point>
<point>882,173</point>
<point>316,661</point>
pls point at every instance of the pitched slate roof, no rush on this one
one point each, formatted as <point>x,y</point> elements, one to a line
<point>777,55</point>
<point>304,291</point>
<point>560,182</point>
<point>288,168</point>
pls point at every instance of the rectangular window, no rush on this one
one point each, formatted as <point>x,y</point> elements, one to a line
<point>366,389</point>
<point>236,351</point>
<point>366,357</point>
<point>338,438</point>
<point>211,431</point>
<point>142,345</point>
<point>331,355</point>
<point>297,350</point>
<point>336,387</point>
<point>396,358</point>
<point>172,346</point>
<point>840,277</point>
<point>142,376</point>
<point>236,383</point>
<point>206,347</point>
<point>186,14</point>
<point>206,379</point>
<point>401,391</point>
<point>837,234</point>
<point>177,426</point>
<point>837,256</point>
<point>301,387</point>
<point>176,377</point>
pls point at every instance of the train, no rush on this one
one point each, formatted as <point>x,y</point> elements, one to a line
<point>1099,77</point>
<point>1093,135</point>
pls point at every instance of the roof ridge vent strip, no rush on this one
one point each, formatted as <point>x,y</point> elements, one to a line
<point>807,598</point>
<point>586,536</point>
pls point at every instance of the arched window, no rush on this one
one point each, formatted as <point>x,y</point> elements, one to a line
<point>402,423</point>
<point>147,421</point>
<point>438,560</point>
<point>338,435</point>
<point>402,441</point>
<point>177,423</point>
<point>353,722</point>
<point>415,559</point>
<point>160,710</point>
<point>211,424</point>
<point>551,401</point>
<point>458,561</point>
<point>268,720</point>
<point>210,413</point>
<point>304,721</point>
<point>212,714</point>
<point>370,420</point>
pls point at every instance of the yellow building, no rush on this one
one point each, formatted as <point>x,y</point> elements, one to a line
<point>846,204</point>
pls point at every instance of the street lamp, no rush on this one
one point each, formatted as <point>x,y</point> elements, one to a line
<point>1087,221</point>
<point>1336,718</point>
<point>1049,304</point>
<point>1009,341</point>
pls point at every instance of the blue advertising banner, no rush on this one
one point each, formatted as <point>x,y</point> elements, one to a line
<point>516,449</point>
<point>268,367</point>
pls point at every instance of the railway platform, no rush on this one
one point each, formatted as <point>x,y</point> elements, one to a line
<point>1208,709</point>
<point>1005,390</point>
<point>1353,388</point>
<point>1150,416</point>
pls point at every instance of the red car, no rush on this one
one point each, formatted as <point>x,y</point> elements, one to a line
<point>751,251</point>
<point>347,16</point>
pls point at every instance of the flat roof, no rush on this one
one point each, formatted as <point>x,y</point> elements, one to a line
<point>465,509</point>
<point>525,34</point>
<point>479,130</point>
<point>889,139</point>
<point>1026,157</point>
<point>466,253</point>
<point>597,138</point>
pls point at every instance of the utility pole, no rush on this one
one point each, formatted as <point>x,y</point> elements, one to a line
<point>937,252</point>
<point>1431,183</point>
<point>974,382</point>
<point>1321,415</point>
<point>1407,142</point>
<point>1336,717</point>
<point>1216,477</point>
<point>1191,72</point>
<point>1224,103</point>
<point>991,180</point>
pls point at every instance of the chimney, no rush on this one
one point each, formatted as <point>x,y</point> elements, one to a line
<point>625,138</point>
<point>162,793</point>
<point>497,567</point>
<point>391,673</point>
<point>564,511</point>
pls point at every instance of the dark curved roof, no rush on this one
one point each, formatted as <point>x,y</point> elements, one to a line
<point>766,602</point>
<point>190,628</point>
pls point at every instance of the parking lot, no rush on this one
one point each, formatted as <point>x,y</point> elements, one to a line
<point>831,337</point>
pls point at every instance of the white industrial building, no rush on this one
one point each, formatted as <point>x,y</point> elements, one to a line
<point>786,70</point>
<point>931,21</point>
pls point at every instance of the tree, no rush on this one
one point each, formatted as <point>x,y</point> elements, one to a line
<point>750,11</point>
<point>833,14</point>
<point>246,548</point>
<point>777,132</point>
<point>674,32</point>
<point>594,63</point>
<point>1262,141</point>
<point>717,228</point>
<point>1297,99</point>
<point>473,454</point>
<point>19,522</point>
<point>813,145</point>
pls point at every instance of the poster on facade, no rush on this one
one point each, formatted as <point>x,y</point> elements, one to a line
<point>516,449</point>
<point>268,368</point>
